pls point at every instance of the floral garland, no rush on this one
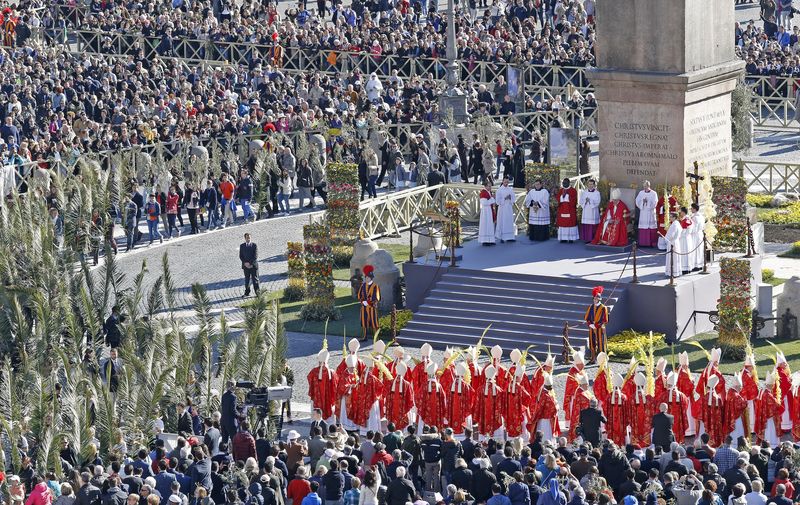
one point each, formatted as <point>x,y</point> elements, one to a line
<point>296,271</point>
<point>318,274</point>
<point>342,213</point>
<point>452,210</point>
<point>730,199</point>
<point>734,303</point>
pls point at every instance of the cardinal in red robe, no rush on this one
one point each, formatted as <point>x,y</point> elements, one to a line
<point>629,384</point>
<point>750,388</point>
<point>345,386</point>
<point>447,375</point>
<point>662,229</point>
<point>516,403</point>
<point>353,346</point>
<point>368,398</point>
<point>602,382</point>
<point>399,354</point>
<point>795,413</point>
<point>677,405</point>
<point>579,402</point>
<point>711,413</point>
<point>502,377</point>
<point>641,412</point>
<point>433,405</point>
<point>768,412</point>
<point>686,386</point>
<point>613,227</point>
<point>322,386</point>
<point>573,380</point>
<point>618,413</point>
<point>460,401</point>
<point>736,413</point>
<point>487,411</point>
<point>544,412</point>
<point>660,381</point>
<point>399,397</point>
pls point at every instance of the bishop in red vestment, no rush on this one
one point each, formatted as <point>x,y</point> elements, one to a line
<point>736,413</point>
<point>537,378</point>
<point>516,358</point>
<point>581,401</point>
<point>768,412</point>
<point>795,413</point>
<point>353,346</point>
<point>785,384</point>
<point>460,401</point>
<point>368,398</point>
<point>346,383</point>
<point>573,380</point>
<point>686,386</point>
<point>678,406</point>
<point>628,383</point>
<point>399,397</point>
<point>750,389</point>
<point>567,213</point>
<point>711,413</point>
<point>487,411</point>
<point>399,355</point>
<point>419,374</point>
<point>502,374</point>
<point>516,403</point>
<point>433,405</point>
<point>602,382</point>
<point>618,413</point>
<point>711,369</point>
<point>613,228</point>
<point>447,374</point>
<point>642,408</point>
<point>322,386</point>
<point>544,413</point>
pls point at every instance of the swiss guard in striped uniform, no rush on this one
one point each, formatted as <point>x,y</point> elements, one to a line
<point>596,320</point>
<point>369,294</point>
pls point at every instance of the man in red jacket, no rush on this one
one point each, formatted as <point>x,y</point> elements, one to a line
<point>244,445</point>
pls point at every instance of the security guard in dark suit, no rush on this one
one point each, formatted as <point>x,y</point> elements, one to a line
<point>248,254</point>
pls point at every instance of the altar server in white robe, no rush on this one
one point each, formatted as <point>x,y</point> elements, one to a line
<point>486,230</point>
<point>538,203</point>
<point>506,228</point>
<point>646,202</point>
<point>673,240</point>
<point>590,214</point>
<point>698,226</point>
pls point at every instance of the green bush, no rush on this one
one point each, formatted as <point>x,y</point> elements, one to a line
<point>629,342</point>
<point>385,322</point>
<point>767,274</point>
<point>342,256</point>
<point>759,200</point>
<point>794,252</point>
<point>293,293</point>
<point>789,215</point>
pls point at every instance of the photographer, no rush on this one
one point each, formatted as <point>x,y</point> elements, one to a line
<point>687,490</point>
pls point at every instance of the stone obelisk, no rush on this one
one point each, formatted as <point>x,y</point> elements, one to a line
<point>664,76</point>
<point>453,98</point>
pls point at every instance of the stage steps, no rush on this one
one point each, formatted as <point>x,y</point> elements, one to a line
<point>522,309</point>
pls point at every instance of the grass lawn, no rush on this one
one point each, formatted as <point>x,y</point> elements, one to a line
<point>350,321</point>
<point>764,353</point>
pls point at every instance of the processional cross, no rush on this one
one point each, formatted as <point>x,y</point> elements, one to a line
<point>694,182</point>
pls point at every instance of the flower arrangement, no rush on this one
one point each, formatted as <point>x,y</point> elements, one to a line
<point>297,284</point>
<point>342,216</point>
<point>734,306</point>
<point>629,342</point>
<point>551,181</point>
<point>708,207</point>
<point>318,274</point>
<point>452,209</point>
<point>730,200</point>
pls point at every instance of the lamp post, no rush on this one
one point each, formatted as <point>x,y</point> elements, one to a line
<point>453,99</point>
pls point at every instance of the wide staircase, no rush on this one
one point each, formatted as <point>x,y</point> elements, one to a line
<point>522,309</point>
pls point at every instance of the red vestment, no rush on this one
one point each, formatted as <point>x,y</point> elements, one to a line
<point>399,401</point>
<point>629,386</point>
<point>677,403</point>
<point>502,376</point>
<point>487,411</point>
<point>369,389</point>
<point>476,376</point>
<point>660,383</point>
<point>613,227</point>
<point>602,388</point>
<point>433,407</point>
<point>640,417</point>
<point>708,371</point>
<point>673,207</point>
<point>571,387</point>
<point>735,408</point>
<point>515,408</point>
<point>419,376</point>
<point>785,381</point>
<point>447,377</point>
<point>711,411</point>
<point>686,386</point>
<point>342,368</point>
<point>579,402</point>
<point>795,415</point>
<point>749,383</point>
<point>525,381</point>
<point>322,389</point>
<point>767,407</point>
<point>536,381</point>
<point>545,408</point>
<point>618,417</point>
<point>567,214</point>
<point>345,385</point>
<point>459,404</point>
